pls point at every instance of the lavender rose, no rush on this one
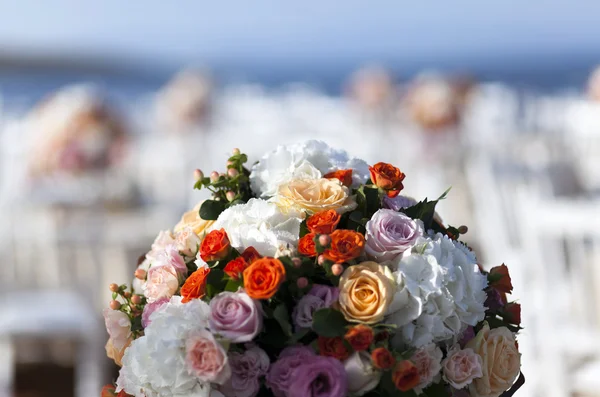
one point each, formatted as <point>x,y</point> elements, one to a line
<point>235,316</point>
<point>320,296</point>
<point>279,377</point>
<point>399,202</point>
<point>319,376</point>
<point>390,233</point>
<point>246,369</point>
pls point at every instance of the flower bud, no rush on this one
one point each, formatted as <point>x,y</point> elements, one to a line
<point>113,287</point>
<point>463,229</point>
<point>236,152</point>
<point>127,294</point>
<point>321,260</point>
<point>140,274</point>
<point>232,172</point>
<point>198,174</point>
<point>214,176</point>
<point>230,195</point>
<point>324,240</point>
<point>302,282</point>
<point>229,162</point>
<point>337,269</point>
<point>136,299</point>
<point>297,262</point>
<point>115,305</point>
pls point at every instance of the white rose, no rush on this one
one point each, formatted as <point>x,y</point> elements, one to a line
<point>187,241</point>
<point>362,376</point>
<point>308,160</point>
<point>259,224</point>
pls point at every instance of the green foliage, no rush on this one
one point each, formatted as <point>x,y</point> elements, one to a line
<point>369,200</point>
<point>436,390</point>
<point>329,323</point>
<point>425,210</point>
<point>215,282</point>
<point>282,316</point>
<point>211,209</point>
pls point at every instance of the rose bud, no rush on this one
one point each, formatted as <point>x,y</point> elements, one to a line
<point>297,262</point>
<point>463,229</point>
<point>337,269</point>
<point>512,313</point>
<point>405,375</point>
<point>499,279</point>
<point>360,337</point>
<point>302,282</point>
<point>115,305</point>
<point>230,195</point>
<point>127,294</point>
<point>140,274</point>
<point>113,287</point>
<point>232,172</point>
<point>383,358</point>
<point>321,260</point>
<point>214,176</point>
<point>136,299</point>
<point>387,177</point>
<point>324,240</point>
<point>333,347</point>
<point>198,174</point>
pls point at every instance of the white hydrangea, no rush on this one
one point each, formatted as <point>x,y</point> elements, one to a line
<point>311,159</point>
<point>442,276</point>
<point>154,365</point>
<point>259,224</point>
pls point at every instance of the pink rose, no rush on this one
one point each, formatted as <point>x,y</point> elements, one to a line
<point>187,241</point>
<point>206,358</point>
<point>428,361</point>
<point>389,234</point>
<point>161,241</point>
<point>162,282</point>
<point>151,308</point>
<point>170,257</point>
<point>461,366</point>
<point>118,326</point>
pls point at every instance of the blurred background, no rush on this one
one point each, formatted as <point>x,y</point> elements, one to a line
<point>106,108</point>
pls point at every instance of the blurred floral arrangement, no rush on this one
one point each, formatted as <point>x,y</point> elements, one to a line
<point>310,275</point>
<point>75,131</point>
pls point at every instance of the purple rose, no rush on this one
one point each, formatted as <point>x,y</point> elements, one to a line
<point>319,376</point>
<point>399,202</point>
<point>235,316</point>
<point>320,296</point>
<point>389,234</point>
<point>246,369</point>
<point>279,377</point>
<point>151,308</point>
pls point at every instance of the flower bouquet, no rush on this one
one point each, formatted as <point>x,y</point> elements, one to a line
<point>310,275</point>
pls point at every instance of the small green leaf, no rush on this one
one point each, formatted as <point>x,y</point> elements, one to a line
<point>211,209</point>
<point>303,229</point>
<point>282,316</point>
<point>299,335</point>
<point>233,285</point>
<point>329,323</point>
<point>214,282</point>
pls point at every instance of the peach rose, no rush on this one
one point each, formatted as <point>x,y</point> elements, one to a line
<point>315,195</point>
<point>187,241</point>
<point>118,326</point>
<point>366,291</point>
<point>162,282</point>
<point>460,367</point>
<point>501,361</point>
<point>206,358</point>
<point>192,220</point>
<point>114,353</point>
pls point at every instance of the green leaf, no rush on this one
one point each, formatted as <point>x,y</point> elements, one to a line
<point>303,228</point>
<point>136,324</point>
<point>211,209</point>
<point>329,323</point>
<point>299,335</point>
<point>233,285</point>
<point>282,316</point>
<point>215,282</point>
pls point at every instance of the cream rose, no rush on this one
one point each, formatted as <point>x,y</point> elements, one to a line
<point>187,241</point>
<point>366,291</point>
<point>461,367</point>
<point>192,220</point>
<point>315,195</point>
<point>501,361</point>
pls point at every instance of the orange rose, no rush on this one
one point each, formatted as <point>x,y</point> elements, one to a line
<point>383,358</point>
<point>387,177</point>
<point>501,279</point>
<point>345,245</point>
<point>360,337</point>
<point>195,286</point>
<point>215,246</point>
<point>306,245</point>
<point>236,267</point>
<point>263,277</point>
<point>110,391</point>
<point>250,254</point>
<point>323,222</point>
<point>333,347</point>
<point>405,375</point>
<point>344,176</point>
<point>512,313</point>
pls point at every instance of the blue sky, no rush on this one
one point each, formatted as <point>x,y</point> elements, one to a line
<point>186,31</point>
